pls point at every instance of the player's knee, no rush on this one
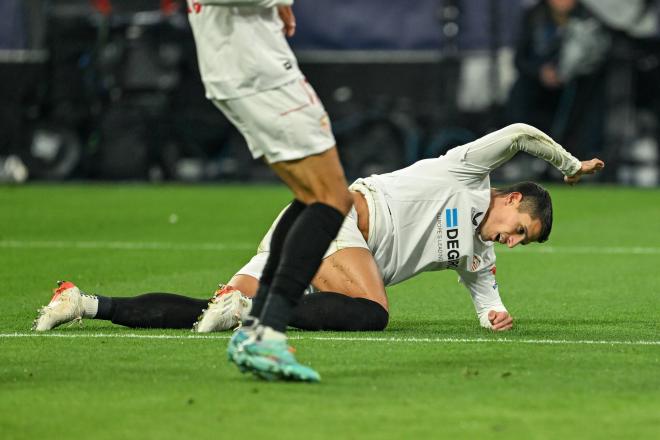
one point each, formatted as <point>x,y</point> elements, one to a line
<point>374,316</point>
<point>341,200</point>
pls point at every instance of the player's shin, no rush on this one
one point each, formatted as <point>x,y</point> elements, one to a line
<point>151,310</point>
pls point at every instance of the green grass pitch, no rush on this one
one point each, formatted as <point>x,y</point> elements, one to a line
<point>582,362</point>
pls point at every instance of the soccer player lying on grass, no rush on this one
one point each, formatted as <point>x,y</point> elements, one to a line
<point>433,215</point>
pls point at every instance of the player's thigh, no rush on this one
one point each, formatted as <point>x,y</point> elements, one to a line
<point>352,272</point>
<point>349,271</point>
<point>317,178</point>
<point>247,284</point>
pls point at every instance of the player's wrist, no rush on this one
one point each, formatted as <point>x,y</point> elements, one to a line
<point>575,169</point>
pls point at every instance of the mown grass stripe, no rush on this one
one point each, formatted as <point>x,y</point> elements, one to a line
<point>125,245</point>
<point>341,338</point>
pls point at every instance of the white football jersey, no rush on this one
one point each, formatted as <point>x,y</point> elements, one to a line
<point>241,49</point>
<point>427,215</point>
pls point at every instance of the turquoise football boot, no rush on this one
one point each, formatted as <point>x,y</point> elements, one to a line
<point>273,360</point>
<point>234,351</point>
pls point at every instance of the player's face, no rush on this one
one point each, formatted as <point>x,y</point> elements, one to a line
<point>505,224</point>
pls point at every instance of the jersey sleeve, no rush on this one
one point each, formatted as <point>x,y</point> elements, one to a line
<point>482,156</point>
<point>262,3</point>
<point>484,291</point>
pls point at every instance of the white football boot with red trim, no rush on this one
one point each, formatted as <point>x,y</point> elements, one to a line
<point>225,311</point>
<point>65,306</point>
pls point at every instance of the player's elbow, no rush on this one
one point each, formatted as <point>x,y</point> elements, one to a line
<point>522,128</point>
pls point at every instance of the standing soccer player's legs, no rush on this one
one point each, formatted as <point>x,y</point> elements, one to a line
<point>290,128</point>
<point>319,181</point>
<point>241,113</point>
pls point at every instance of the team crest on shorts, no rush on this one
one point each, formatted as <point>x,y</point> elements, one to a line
<point>325,122</point>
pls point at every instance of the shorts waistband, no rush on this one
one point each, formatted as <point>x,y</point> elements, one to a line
<point>368,192</point>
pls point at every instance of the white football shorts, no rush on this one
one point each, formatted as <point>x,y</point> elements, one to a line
<point>282,124</point>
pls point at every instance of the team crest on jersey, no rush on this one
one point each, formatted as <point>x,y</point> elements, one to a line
<point>476,262</point>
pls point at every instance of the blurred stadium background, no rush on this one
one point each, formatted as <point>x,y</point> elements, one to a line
<point>109,89</point>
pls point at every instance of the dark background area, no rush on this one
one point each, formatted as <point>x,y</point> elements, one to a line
<point>111,90</point>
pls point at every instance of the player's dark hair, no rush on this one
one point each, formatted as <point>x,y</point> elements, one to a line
<point>535,201</point>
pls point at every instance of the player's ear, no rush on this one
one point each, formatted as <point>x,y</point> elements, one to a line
<point>514,198</point>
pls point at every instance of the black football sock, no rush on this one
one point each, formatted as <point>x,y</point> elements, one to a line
<point>276,242</point>
<point>105,308</point>
<point>302,252</point>
<point>334,311</point>
<point>151,310</point>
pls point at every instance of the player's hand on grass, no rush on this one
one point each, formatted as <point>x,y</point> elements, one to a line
<point>289,20</point>
<point>588,167</point>
<point>500,320</point>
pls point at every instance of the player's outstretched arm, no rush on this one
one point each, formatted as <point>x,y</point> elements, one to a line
<point>588,167</point>
<point>493,150</point>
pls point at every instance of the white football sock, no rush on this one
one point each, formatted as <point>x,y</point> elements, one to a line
<point>268,334</point>
<point>90,305</point>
